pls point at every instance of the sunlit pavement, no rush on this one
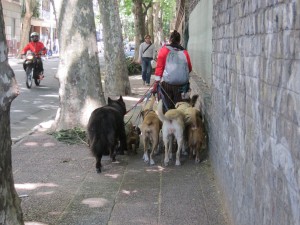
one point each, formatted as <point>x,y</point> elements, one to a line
<point>58,184</point>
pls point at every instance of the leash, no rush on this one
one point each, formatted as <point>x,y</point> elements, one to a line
<point>130,116</point>
<point>147,94</point>
<point>141,99</point>
<point>162,93</point>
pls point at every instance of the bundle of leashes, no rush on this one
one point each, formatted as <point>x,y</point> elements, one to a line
<point>161,94</point>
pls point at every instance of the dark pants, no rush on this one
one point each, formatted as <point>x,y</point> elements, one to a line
<point>40,66</point>
<point>171,94</point>
<point>146,69</point>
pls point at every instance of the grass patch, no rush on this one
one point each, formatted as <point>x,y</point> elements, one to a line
<point>71,136</point>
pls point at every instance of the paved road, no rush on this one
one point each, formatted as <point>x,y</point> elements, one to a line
<point>35,105</point>
<point>38,104</point>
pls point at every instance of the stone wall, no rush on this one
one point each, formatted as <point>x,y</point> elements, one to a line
<point>254,115</point>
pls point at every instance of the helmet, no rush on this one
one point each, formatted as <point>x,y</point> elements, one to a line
<point>34,36</point>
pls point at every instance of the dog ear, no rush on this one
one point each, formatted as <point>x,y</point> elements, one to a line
<point>194,100</point>
<point>109,100</point>
<point>121,99</point>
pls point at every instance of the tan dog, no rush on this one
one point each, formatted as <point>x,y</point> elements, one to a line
<point>132,137</point>
<point>196,135</point>
<point>173,126</point>
<point>194,127</point>
<point>186,107</point>
<point>150,130</point>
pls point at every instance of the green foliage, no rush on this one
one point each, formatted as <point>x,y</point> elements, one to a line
<point>97,19</point>
<point>70,136</point>
<point>126,7</point>
<point>127,19</point>
<point>133,67</point>
<point>35,10</point>
<point>168,14</point>
<point>168,8</point>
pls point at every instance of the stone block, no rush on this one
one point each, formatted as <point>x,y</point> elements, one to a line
<point>295,147</point>
<point>289,16</point>
<point>296,41</point>
<point>294,81</point>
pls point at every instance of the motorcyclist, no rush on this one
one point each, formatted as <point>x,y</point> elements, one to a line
<point>38,49</point>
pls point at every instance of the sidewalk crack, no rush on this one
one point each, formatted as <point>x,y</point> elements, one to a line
<point>117,195</point>
<point>160,196</point>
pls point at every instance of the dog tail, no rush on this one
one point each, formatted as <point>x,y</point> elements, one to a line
<point>97,141</point>
<point>98,144</point>
<point>194,100</point>
<point>160,113</point>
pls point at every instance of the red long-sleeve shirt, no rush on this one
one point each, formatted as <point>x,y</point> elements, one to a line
<point>35,47</point>
<point>161,62</point>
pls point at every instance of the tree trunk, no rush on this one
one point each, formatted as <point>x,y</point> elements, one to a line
<point>139,25</point>
<point>29,5</point>
<point>157,24</point>
<point>10,209</point>
<point>116,80</point>
<point>150,22</point>
<point>55,16</point>
<point>78,73</point>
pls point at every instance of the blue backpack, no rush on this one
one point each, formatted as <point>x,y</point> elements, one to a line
<point>176,69</point>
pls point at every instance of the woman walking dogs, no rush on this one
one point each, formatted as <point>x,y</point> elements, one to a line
<point>172,70</point>
<point>146,54</point>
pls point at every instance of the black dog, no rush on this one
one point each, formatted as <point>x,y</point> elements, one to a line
<point>106,129</point>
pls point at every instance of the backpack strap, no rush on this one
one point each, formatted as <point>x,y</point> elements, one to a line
<point>147,48</point>
<point>173,49</point>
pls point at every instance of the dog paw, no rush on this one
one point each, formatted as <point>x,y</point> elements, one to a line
<point>197,160</point>
<point>177,163</point>
<point>166,162</point>
<point>146,158</point>
<point>98,170</point>
<point>152,162</point>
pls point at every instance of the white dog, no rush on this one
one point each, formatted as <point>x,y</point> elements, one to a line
<point>173,126</point>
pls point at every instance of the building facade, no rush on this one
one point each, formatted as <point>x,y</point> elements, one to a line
<point>12,19</point>
<point>45,25</point>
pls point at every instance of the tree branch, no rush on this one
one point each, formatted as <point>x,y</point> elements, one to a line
<point>146,7</point>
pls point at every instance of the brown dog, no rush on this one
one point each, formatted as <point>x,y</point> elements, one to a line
<point>132,137</point>
<point>194,128</point>
<point>186,107</point>
<point>150,130</point>
<point>196,135</point>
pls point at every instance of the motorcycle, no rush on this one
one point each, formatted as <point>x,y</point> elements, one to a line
<point>32,69</point>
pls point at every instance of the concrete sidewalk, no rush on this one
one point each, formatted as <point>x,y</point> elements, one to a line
<point>58,184</point>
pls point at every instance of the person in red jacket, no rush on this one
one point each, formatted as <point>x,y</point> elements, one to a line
<point>172,71</point>
<point>36,47</point>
